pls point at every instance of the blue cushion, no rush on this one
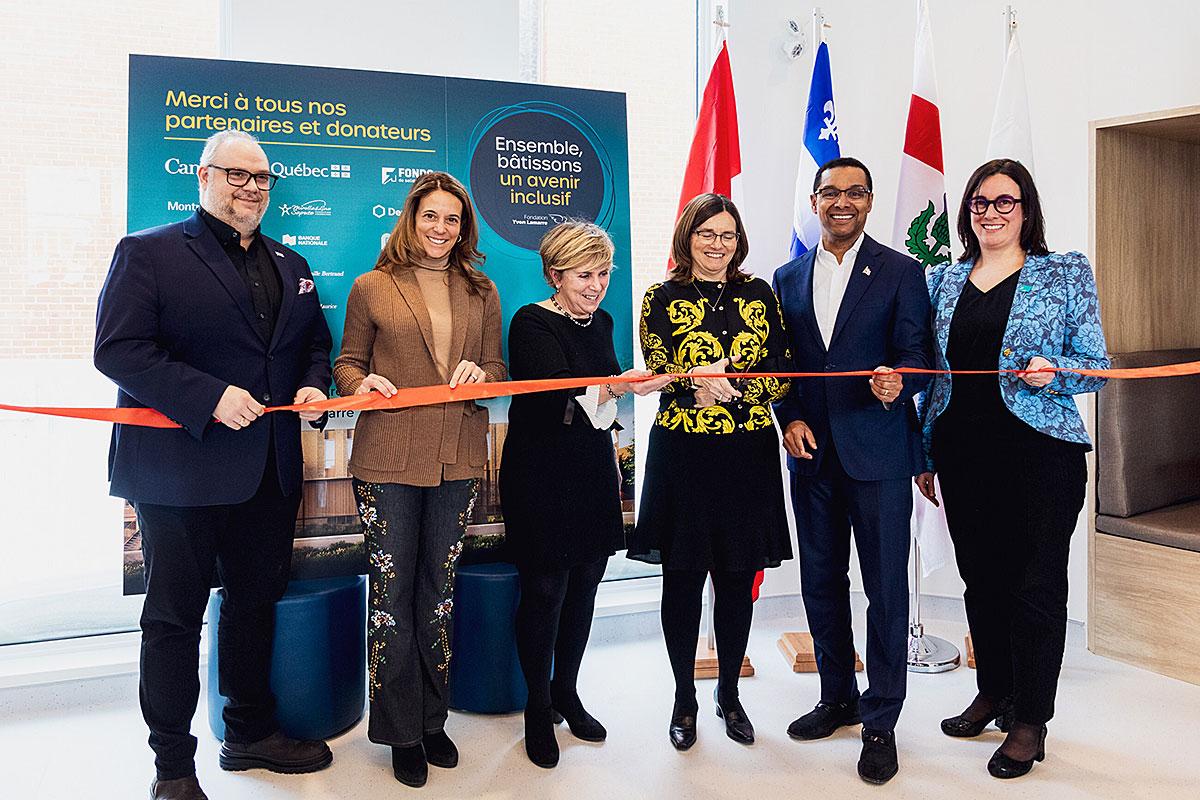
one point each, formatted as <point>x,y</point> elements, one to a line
<point>485,673</point>
<point>319,665</point>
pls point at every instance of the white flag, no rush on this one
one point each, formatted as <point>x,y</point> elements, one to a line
<point>921,229</point>
<point>1011,135</point>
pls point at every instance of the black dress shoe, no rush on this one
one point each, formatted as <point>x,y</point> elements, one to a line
<point>540,744</point>
<point>409,765</point>
<point>737,724</point>
<point>878,764</point>
<point>823,720</point>
<point>276,753</point>
<point>582,724</point>
<point>964,727</point>
<point>683,726</point>
<point>177,789</point>
<point>440,750</point>
<point>1001,766</point>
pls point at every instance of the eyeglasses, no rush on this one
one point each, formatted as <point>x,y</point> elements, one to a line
<point>240,177</point>
<point>1004,204</point>
<point>855,194</point>
<point>708,236</point>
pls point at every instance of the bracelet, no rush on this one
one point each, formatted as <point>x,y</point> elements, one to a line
<point>611,393</point>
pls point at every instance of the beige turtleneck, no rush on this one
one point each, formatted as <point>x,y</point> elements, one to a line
<point>434,280</point>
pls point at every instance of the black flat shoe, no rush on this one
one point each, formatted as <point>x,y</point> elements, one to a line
<point>962,726</point>
<point>582,724</point>
<point>440,750</point>
<point>409,765</point>
<point>737,725</point>
<point>1004,767</point>
<point>878,763</point>
<point>823,720</point>
<point>683,727</point>
<point>540,743</point>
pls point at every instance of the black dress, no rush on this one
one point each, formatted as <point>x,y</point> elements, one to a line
<point>713,492</point>
<point>559,482</point>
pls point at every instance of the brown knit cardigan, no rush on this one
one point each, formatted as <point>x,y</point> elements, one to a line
<point>388,332</point>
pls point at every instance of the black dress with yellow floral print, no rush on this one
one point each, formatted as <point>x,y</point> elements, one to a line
<point>713,491</point>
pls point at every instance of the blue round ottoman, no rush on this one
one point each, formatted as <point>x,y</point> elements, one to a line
<point>485,674</point>
<point>319,663</point>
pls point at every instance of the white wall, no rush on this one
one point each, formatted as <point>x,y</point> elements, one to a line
<point>1083,61</point>
<point>466,39</point>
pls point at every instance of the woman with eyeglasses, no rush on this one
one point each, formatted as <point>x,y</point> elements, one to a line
<point>712,501</point>
<point>1008,449</point>
<point>424,315</point>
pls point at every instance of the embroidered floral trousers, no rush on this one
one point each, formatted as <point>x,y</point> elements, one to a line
<point>414,536</point>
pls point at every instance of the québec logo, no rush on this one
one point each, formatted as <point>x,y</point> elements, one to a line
<point>400,174</point>
<point>304,170</point>
<point>313,208</point>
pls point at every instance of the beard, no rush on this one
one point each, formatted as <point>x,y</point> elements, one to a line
<point>223,208</point>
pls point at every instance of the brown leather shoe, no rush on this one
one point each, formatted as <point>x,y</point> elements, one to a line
<point>276,753</point>
<point>178,789</point>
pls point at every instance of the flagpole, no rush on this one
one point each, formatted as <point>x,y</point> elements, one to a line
<point>926,653</point>
<point>1010,26</point>
<point>819,26</point>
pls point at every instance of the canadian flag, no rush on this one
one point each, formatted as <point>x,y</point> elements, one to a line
<point>922,230</point>
<point>715,160</point>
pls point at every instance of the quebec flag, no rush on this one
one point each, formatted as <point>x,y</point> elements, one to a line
<point>820,145</point>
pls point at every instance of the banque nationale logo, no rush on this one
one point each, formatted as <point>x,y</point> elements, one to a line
<point>303,240</point>
<point>313,208</point>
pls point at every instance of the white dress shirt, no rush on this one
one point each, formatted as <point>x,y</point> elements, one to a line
<point>829,285</point>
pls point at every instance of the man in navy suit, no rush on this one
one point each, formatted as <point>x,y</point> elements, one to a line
<point>209,321</point>
<point>853,446</point>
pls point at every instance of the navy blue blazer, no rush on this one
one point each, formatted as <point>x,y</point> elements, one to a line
<point>173,331</point>
<point>884,320</point>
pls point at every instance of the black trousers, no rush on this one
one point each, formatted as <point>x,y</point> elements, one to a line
<point>1011,512</point>
<point>827,505</point>
<point>733,610</point>
<point>249,545</point>
<point>414,536</point>
<point>554,619</point>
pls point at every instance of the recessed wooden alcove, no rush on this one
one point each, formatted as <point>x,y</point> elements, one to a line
<point>1144,599</point>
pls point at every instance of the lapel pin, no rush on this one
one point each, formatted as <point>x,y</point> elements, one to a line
<point>867,271</point>
<point>279,254</point>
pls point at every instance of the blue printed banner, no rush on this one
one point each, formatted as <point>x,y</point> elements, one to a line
<point>349,144</point>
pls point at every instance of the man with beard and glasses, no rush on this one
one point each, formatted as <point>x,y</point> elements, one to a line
<point>209,322</point>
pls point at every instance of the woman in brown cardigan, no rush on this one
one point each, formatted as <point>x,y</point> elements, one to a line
<point>425,315</point>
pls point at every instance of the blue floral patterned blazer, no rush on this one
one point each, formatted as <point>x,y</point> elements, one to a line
<point>1055,315</point>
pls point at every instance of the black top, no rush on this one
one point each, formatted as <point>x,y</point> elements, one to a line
<point>977,409</point>
<point>560,489</point>
<point>712,494</point>
<point>686,325</point>
<point>257,269</point>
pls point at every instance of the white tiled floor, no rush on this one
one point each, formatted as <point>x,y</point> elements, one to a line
<point>1120,732</point>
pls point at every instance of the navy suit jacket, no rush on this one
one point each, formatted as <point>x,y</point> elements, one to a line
<point>173,331</point>
<point>884,320</point>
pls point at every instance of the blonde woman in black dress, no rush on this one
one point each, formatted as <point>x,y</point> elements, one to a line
<point>559,483</point>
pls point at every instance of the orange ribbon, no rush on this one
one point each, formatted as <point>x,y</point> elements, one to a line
<point>442,393</point>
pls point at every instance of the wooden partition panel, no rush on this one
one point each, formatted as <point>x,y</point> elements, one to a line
<point>1147,240</point>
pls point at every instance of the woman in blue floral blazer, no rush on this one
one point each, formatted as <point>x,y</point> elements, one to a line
<point>1008,450</point>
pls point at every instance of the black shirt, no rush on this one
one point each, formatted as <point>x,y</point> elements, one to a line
<point>257,270</point>
<point>977,410</point>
